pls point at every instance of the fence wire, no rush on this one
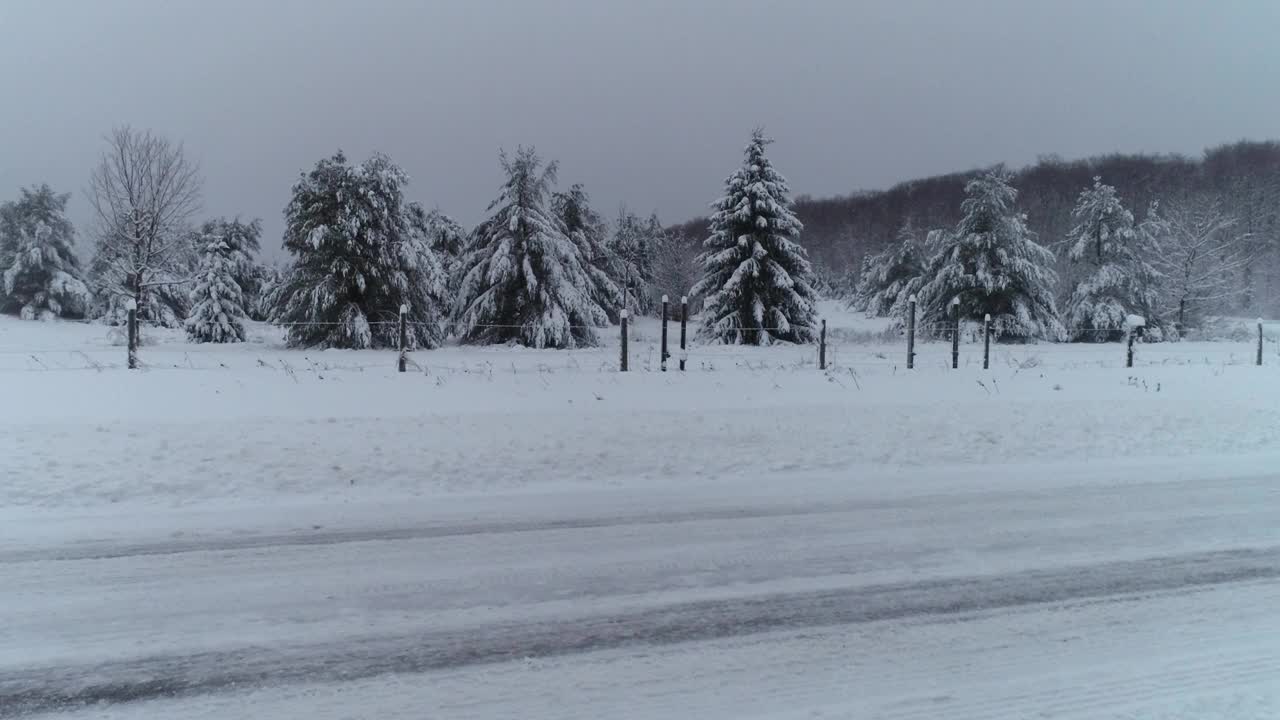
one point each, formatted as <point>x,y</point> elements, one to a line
<point>886,350</point>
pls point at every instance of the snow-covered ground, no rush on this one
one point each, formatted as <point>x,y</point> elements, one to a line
<point>251,531</point>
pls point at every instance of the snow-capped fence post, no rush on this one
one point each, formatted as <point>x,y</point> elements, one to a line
<point>624,339</point>
<point>1132,325</point>
<point>822,346</point>
<point>955,332</point>
<point>986,342</point>
<point>132,306</point>
<point>1259,342</point>
<point>665,355</point>
<point>404,337</point>
<point>911,332</point>
<point>684,323</point>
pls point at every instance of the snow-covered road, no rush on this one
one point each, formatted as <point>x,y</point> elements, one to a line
<point>1107,591</point>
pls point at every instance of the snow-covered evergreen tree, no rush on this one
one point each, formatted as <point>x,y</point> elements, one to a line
<point>217,303</point>
<point>992,263</point>
<point>891,276</point>
<point>588,231</point>
<point>358,257</point>
<point>243,241</point>
<point>271,282</point>
<point>448,238</point>
<point>40,276</point>
<point>1119,282</point>
<point>524,280</point>
<point>634,244</point>
<point>756,281</point>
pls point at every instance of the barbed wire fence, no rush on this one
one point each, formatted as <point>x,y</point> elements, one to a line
<point>937,344</point>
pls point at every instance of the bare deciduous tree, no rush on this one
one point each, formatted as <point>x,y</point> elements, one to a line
<point>144,192</point>
<point>1201,256</point>
<point>675,265</point>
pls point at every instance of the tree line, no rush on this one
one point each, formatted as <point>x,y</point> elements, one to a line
<point>1163,273</point>
<point>545,269</point>
<point>1237,185</point>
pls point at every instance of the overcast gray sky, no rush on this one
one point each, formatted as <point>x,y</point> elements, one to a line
<point>647,102</point>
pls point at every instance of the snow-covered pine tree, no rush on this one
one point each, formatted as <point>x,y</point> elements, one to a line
<point>588,231</point>
<point>357,257</point>
<point>891,276</point>
<point>243,241</point>
<point>39,274</point>
<point>523,279</point>
<point>448,238</point>
<point>992,263</point>
<point>756,280</point>
<point>655,237</point>
<point>1119,281</point>
<point>217,303</point>
<point>271,282</point>
<point>633,245</point>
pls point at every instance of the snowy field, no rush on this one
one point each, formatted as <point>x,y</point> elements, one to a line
<point>252,531</point>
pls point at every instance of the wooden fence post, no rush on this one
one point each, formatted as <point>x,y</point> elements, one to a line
<point>684,321</point>
<point>665,355</point>
<point>1259,342</point>
<point>404,337</point>
<point>1128,361</point>
<point>955,333</point>
<point>132,306</point>
<point>624,339</point>
<point>822,346</point>
<point>911,332</point>
<point>986,342</point>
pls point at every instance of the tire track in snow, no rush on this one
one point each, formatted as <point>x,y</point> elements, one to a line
<point>52,688</point>
<point>316,537</point>
<point>341,537</point>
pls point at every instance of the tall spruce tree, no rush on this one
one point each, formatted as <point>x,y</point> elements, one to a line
<point>757,280</point>
<point>358,257</point>
<point>524,280</point>
<point>1119,281</point>
<point>891,276</point>
<point>217,302</point>
<point>992,264</point>
<point>40,276</point>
